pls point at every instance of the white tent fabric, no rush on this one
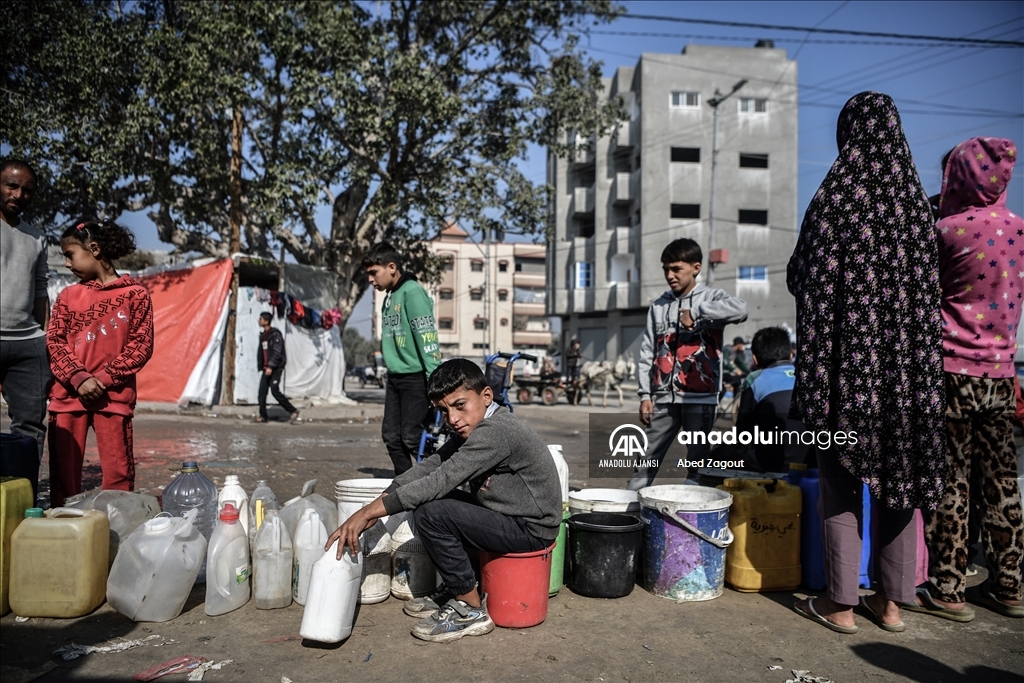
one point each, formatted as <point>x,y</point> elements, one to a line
<point>316,362</point>
<point>204,379</point>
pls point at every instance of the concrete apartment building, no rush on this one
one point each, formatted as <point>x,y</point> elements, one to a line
<point>617,204</point>
<point>491,297</point>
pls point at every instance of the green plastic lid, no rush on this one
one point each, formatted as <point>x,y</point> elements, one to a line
<point>33,512</point>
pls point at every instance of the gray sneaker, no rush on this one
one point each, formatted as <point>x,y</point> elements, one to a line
<point>426,606</point>
<point>453,621</point>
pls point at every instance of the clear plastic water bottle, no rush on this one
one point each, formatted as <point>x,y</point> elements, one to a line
<point>191,489</point>
<point>263,493</point>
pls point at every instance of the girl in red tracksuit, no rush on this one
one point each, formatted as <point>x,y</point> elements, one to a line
<point>100,336</point>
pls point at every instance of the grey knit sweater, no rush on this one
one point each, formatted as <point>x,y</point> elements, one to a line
<point>507,465</point>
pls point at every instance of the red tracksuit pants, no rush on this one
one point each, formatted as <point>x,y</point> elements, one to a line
<point>67,434</point>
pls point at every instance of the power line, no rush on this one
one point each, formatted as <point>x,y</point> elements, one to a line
<point>831,31</point>
<point>779,39</point>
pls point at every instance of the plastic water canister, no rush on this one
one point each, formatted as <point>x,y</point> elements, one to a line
<point>309,498</point>
<point>59,563</point>
<point>412,573</point>
<point>308,547</point>
<point>272,565</point>
<point>333,593</point>
<point>765,521</point>
<point>227,558</point>
<point>267,501</point>
<point>125,511</point>
<point>192,489</point>
<point>16,496</point>
<point>563,471</point>
<point>232,490</point>
<point>154,573</point>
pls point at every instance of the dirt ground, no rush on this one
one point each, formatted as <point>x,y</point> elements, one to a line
<point>737,637</point>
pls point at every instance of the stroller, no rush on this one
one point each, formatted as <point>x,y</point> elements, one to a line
<point>498,374</point>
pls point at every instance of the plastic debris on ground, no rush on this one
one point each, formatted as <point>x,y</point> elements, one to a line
<point>174,666</point>
<point>74,650</point>
<point>775,667</point>
<point>200,671</point>
<point>285,679</point>
<point>806,677</point>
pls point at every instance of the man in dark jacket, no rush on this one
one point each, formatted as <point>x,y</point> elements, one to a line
<point>271,361</point>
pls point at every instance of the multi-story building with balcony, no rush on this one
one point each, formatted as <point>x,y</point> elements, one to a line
<point>491,297</point>
<point>623,197</point>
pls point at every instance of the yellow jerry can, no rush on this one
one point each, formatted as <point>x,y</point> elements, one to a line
<point>15,497</point>
<point>765,519</point>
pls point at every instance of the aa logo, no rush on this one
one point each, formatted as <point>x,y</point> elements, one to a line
<point>628,441</point>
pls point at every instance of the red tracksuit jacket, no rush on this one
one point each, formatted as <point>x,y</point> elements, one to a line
<point>101,331</point>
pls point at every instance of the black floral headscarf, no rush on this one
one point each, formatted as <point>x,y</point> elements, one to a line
<point>866,280</point>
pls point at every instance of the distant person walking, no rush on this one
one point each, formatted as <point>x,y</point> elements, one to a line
<point>271,359</point>
<point>865,276</point>
<point>100,336</point>
<point>24,306</point>
<point>410,351</point>
<point>982,284</point>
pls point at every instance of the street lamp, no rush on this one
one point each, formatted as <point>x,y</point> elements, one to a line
<point>714,102</point>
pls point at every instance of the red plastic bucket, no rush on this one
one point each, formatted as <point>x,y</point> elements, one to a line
<point>517,586</point>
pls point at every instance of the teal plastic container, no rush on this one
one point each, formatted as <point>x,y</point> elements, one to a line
<point>558,558</point>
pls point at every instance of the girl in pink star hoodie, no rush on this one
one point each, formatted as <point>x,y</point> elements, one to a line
<point>981,265</point>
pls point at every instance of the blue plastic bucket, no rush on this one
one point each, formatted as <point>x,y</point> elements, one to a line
<point>686,533</point>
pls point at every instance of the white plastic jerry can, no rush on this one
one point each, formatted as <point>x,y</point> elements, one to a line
<point>227,561</point>
<point>331,600</point>
<point>272,564</point>
<point>233,491</point>
<point>310,538</point>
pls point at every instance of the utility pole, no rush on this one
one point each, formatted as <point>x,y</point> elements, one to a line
<point>714,102</point>
<point>234,246</point>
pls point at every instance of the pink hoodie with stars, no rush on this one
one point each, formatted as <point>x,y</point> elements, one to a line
<point>981,260</point>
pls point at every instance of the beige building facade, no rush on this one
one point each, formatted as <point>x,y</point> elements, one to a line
<point>491,297</point>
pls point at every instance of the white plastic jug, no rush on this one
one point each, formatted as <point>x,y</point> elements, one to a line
<point>263,499</point>
<point>563,471</point>
<point>227,560</point>
<point>272,564</point>
<point>331,601</point>
<point>292,511</point>
<point>126,510</point>
<point>233,491</point>
<point>156,568</point>
<point>308,547</point>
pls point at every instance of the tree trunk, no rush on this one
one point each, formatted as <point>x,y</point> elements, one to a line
<point>235,245</point>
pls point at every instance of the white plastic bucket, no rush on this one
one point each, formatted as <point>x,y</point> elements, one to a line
<point>604,500</point>
<point>352,494</point>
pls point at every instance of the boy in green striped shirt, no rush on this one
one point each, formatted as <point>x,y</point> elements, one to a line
<point>410,350</point>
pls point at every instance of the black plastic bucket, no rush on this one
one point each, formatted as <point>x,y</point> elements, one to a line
<point>603,552</point>
<point>19,457</point>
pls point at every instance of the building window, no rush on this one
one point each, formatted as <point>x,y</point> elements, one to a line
<point>585,227</point>
<point>686,155</point>
<point>748,160</point>
<point>753,274</point>
<point>445,294</point>
<point>502,295</point>
<point>584,275</point>
<point>445,324</point>
<point>476,295</point>
<point>449,263</point>
<point>476,266</point>
<point>686,100</point>
<point>753,217</point>
<point>484,346</point>
<point>502,266</point>
<point>480,324</point>
<point>753,105</point>
<point>685,211</point>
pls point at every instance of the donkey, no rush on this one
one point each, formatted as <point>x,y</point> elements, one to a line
<point>610,375</point>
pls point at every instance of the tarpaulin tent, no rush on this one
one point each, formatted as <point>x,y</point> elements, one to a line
<point>190,310</point>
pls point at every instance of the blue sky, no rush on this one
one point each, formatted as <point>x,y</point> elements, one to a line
<point>945,94</point>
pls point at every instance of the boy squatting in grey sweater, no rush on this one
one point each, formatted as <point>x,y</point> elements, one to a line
<point>507,465</point>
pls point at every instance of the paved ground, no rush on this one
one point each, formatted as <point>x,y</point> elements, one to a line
<point>737,637</point>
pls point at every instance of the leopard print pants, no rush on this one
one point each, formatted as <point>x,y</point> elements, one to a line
<point>983,470</point>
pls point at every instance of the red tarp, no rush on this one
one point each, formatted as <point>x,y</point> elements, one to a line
<point>186,308</point>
